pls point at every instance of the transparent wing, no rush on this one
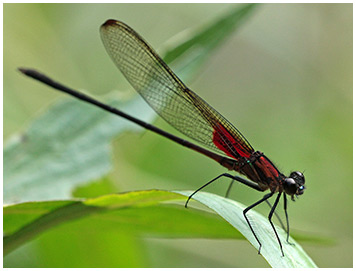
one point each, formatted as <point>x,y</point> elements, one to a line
<point>167,95</point>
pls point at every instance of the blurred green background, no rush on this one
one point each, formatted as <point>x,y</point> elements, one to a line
<point>284,79</point>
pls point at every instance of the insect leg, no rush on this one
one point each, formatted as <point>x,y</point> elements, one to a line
<point>234,178</point>
<point>229,189</point>
<point>286,213</point>
<point>270,220</point>
<point>280,220</point>
<point>265,197</point>
<point>270,206</point>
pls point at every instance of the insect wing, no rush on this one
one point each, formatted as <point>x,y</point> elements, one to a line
<point>166,93</point>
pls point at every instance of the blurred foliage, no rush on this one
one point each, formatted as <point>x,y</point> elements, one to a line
<point>285,80</point>
<point>70,142</point>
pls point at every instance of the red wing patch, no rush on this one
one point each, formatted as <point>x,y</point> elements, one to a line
<point>233,147</point>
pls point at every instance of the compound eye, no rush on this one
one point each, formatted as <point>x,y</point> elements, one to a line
<point>290,186</point>
<point>298,177</point>
<point>301,190</point>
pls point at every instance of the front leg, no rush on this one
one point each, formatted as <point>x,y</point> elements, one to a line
<point>234,178</point>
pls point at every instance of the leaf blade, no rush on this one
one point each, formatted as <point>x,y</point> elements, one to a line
<point>137,211</point>
<point>232,212</point>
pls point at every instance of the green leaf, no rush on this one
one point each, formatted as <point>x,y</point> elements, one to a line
<point>150,213</point>
<point>197,45</point>
<point>69,145</point>
<point>95,189</point>
<point>232,212</point>
<point>145,213</point>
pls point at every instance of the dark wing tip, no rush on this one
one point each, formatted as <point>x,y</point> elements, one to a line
<point>112,22</point>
